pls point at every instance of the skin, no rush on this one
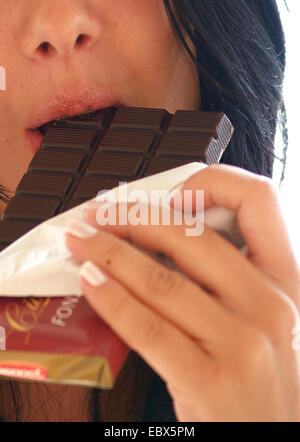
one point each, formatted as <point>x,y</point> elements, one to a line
<point>128,43</point>
<point>129,47</point>
<point>226,354</point>
<point>132,50</point>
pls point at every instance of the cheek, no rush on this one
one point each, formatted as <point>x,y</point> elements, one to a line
<point>150,47</point>
<point>142,33</point>
<point>156,63</point>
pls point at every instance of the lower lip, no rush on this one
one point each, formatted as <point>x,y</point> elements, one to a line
<point>34,139</point>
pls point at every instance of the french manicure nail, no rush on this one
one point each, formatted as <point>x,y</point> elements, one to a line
<point>80,229</point>
<point>92,274</point>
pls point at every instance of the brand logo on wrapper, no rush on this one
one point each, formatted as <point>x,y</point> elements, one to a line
<point>2,79</point>
<point>23,370</point>
<point>23,317</point>
<point>2,338</point>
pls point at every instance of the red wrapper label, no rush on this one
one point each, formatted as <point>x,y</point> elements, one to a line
<point>58,340</point>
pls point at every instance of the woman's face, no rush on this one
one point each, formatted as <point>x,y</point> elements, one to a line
<point>64,57</point>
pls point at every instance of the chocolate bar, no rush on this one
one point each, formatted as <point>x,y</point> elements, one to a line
<point>62,340</point>
<point>82,155</point>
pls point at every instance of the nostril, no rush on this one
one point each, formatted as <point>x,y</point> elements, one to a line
<point>44,47</point>
<point>80,39</point>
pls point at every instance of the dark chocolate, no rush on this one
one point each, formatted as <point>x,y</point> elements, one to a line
<point>82,155</point>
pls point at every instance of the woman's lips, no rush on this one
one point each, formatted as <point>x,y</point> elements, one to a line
<point>68,105</point>
<point>62,105</point>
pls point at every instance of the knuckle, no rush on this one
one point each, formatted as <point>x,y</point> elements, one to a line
<point>247,354</point>
<point>162,281</point>
<point>152,331</point>
<point>264,188</point>
<point>283,312</point>
<point>257,350</point>
<point>251,344</point>
<point>257,342</point>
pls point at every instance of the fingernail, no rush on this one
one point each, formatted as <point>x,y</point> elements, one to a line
<point>80,229</point>
<point>92,274</point>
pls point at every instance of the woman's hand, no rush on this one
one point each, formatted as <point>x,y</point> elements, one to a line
<point>222,338</point>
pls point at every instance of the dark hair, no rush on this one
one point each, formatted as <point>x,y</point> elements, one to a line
<point>4,194</point>
<point>240,58</point>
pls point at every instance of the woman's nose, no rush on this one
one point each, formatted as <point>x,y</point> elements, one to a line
<point>59,28</point>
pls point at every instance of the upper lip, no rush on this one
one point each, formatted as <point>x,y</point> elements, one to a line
<point>70,104</point>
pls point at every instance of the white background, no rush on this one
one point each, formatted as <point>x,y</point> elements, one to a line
<point>290,188</point>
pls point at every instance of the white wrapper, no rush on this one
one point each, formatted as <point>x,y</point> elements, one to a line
<point>39,264</point>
